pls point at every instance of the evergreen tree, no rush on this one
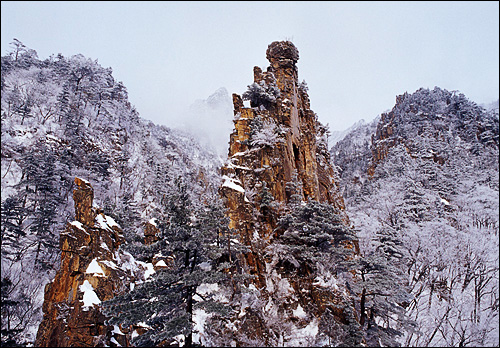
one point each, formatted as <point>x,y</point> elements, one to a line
<point>167,301</point>
<point>313,241</point>
<point>314,233</point>
<point>12,216</point>
<point>382,290</point>
<point>10,333</point>
<point>47,183</point>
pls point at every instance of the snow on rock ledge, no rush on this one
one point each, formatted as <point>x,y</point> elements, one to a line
<point>231,183</point>
<point>91,272</point>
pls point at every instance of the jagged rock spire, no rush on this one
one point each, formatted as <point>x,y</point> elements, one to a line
<point>275,141</point>
<point>89,274</point>
<point>283,56</point>
<point>83,196</point>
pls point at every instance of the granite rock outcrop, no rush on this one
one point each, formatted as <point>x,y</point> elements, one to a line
<point>278,158</point>
<point>92,271</point>
<point>276,141</point>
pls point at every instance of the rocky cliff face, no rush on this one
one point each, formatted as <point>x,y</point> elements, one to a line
<point>276,141</point>
<point>278,158</point>
<point>275,138</point>
<point>91,272</point>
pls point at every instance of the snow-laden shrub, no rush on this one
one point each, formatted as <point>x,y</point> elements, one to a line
<point>303,86</point>
<point>262,94</point>
<point>266,136</point>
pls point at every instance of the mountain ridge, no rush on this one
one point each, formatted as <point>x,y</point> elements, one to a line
<point>369,242</point>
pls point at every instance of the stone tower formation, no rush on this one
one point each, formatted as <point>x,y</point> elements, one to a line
<point>277,141</point>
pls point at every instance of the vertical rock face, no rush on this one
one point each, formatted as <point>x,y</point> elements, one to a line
<point>276,141</point>
<point>83,197</point>
<point>89,274</point>
<point>278,160</point>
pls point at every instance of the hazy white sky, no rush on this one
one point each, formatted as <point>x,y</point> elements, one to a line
<point>355,56</point>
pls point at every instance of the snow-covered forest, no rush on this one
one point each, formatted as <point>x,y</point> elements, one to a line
<point>435,197</point>
<point>421,191</point>
<point>67,117</point>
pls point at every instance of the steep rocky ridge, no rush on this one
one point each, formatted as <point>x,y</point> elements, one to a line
<point>275,138</point>
<point>278,157</point>
<point>431,114</point>
<point>92,270</point>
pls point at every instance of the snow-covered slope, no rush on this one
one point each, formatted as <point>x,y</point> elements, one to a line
<point>67,117</point>
<point>433,191</point>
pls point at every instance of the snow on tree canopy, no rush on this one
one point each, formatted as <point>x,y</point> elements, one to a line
<point>67,117</point>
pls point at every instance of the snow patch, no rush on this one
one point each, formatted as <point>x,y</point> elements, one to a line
<point>199,319</point>
<point>105,222</point>
<point>444,201</point>
<point>110,264</point>
<point>95,269</point>
<point>161,263</point>
<point>89,296</point>
<point>302,337</point>
<point>116,330</point>
<point>78,225</point>
<point>180,339</point>
<point>235,166</point>
<point>231,183</point>
<point>311,329</point>
<point>299,312</point>
<point>101,222</point>
<point>110,221</point>
<point>329,282</point>
<point>238,154</point>
<point>150,270</point>
<point>104,246</point>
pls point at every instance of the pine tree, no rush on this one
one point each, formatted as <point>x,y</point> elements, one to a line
<point>12,216</point>
<point>314,233</point>
<point>382,290</point>
<point>10,333</point>
<point>167,301</point>
<point>313,241</point>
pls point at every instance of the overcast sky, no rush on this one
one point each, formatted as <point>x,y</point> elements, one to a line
<point>355,56</point>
